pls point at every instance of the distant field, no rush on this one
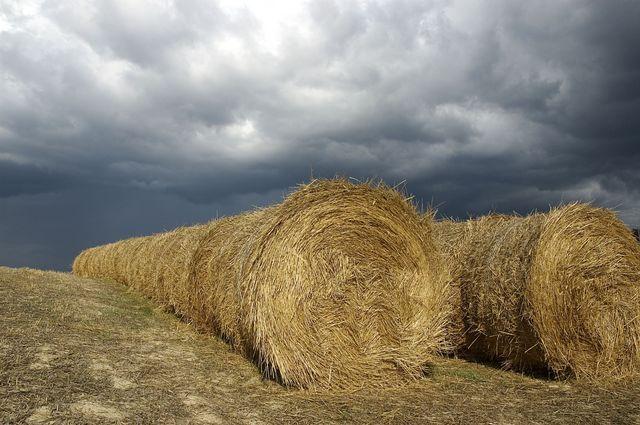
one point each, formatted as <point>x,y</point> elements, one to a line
<point>84,351</point>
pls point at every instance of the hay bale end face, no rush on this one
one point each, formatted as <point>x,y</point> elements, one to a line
<point>344,287</point>
<point>557,291</point>
<point>340,285</point>
<point>586,289</point>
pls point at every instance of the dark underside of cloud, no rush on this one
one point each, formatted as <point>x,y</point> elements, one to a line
<point>118,120</point>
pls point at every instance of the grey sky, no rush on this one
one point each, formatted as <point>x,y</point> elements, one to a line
<point>120,118</point>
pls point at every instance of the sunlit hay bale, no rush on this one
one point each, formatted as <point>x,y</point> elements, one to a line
<point>157,287</point>
<point>557,291</point>
<point>172,284</point>
<point>151,264</point>
<point>93,261</point>
<point>339,286</point>
<point>344,287</point>
<point>449,234</point>
<point>159,265</point>
<point>126,257</point>
<point>112,266</point>
<point>131,263</point>
<point>139,266</point>
<point>106,260</point>
<point>138,263</point>
<point>98,259</point>
<point>111,259</point>
<point>490,263</point>
<point>586,289</point>
<point>80,263</point>
<point>120,259</point>
<point>216,275</point>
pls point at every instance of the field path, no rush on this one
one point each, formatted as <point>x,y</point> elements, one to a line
<point>84,351</point>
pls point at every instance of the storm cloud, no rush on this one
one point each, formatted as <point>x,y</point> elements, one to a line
<point>122,118</point>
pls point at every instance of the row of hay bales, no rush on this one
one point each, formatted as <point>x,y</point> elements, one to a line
<point>343,285</point>
<point>558,291</point>
<point>340,285</point>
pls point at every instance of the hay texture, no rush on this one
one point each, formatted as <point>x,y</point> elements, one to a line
<point>344,284</point>
<point>339,286</point>
<point>216,276</point>
<point>558,291</point>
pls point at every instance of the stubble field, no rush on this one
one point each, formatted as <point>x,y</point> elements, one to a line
<point>78,350</point>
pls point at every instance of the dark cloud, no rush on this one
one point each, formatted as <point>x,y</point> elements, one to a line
<point>122,118</point>
<point>19,179</point>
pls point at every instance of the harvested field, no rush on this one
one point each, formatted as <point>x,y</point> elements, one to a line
<point>339,286</point>
<point>558,291</point>
<point>83,351</point>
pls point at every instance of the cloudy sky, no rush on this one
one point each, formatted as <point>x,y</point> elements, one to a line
<point>122,118</point>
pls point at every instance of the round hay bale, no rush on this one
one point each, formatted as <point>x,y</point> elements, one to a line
<point>176,255</point>
<point>106,262</point>
<point>111,264</point>
<point>163,264</point>
<point>343,287</point>
<point>79,266</point>
<point>94,261</point>
<point>216,275</point>
<point>449,235</point>
<point>557,291</point>
<point>138,262</point>
<point>89,263</point>
<point>585,286</point>
<point>127,257</point>
<point>151,264</point>
<point>120,260</point>
<point>98,260</point>
<point>338,286</point>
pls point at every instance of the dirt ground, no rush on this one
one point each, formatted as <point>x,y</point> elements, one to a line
<point>85,351</point>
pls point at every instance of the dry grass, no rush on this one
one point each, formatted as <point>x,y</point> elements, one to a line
<point>82,351</point>
<point>338,286</point>
<point>557,291</point>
